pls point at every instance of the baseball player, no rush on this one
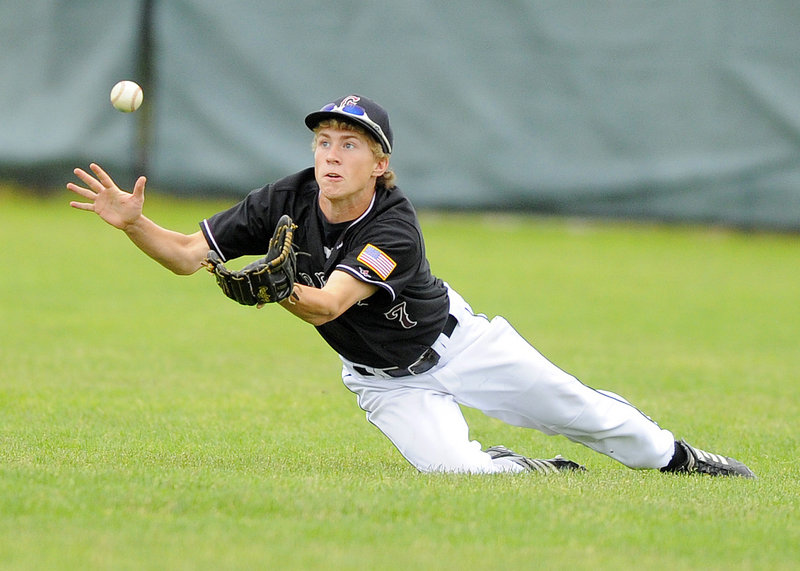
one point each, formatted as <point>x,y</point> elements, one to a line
<point>412,349</point>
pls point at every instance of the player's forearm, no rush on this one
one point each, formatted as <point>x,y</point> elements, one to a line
<point>312,305</point>
<point>180,253</point>
<point>319,306</point>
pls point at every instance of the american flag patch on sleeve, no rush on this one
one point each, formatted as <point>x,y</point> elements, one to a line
<point>375,259</point>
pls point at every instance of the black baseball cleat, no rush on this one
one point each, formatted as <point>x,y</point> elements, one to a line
<point>551,466</point>
<point>702,462</point>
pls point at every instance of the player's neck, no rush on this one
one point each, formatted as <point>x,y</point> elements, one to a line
<point>346,209</point>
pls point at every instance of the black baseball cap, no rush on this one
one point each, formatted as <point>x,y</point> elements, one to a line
<point>359,110</point>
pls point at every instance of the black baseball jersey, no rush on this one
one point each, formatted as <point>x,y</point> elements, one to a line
<point>384,246</point>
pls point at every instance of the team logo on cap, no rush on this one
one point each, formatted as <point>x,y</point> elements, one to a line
<point>349,100</point>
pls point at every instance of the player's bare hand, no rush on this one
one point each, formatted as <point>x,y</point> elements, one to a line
<point>114,205</point>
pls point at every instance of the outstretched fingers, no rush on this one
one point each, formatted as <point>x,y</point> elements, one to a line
<point>87,193</point>
<point>103,197</point>
<point>102,176</point>
<point>96,183</point>
<point>82,205</point>
<point>89,180</point>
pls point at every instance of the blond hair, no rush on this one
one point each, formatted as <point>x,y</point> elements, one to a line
<point>387,179</point>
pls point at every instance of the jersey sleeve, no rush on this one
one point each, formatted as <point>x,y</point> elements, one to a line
<point>388,254</point>
<point>242,229</point>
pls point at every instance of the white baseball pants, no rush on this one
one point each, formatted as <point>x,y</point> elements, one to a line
<point>488,366</point>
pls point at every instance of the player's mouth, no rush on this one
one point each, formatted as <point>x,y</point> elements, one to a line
<point>333,176</point>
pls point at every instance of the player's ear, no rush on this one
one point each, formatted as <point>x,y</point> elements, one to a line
<point>381,166</point>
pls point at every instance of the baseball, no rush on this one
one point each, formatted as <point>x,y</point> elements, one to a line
<point>126,96</point>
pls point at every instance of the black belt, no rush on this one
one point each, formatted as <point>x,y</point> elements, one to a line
<point>427,361</point>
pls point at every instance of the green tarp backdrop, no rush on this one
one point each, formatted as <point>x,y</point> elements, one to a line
<point>680,110</point>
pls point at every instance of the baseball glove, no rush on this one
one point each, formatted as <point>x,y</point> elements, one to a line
<point>267,280</point>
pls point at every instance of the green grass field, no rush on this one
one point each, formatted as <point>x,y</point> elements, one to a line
<point>147,422</point>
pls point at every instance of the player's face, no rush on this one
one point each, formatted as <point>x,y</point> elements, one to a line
<point>344,165</point>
